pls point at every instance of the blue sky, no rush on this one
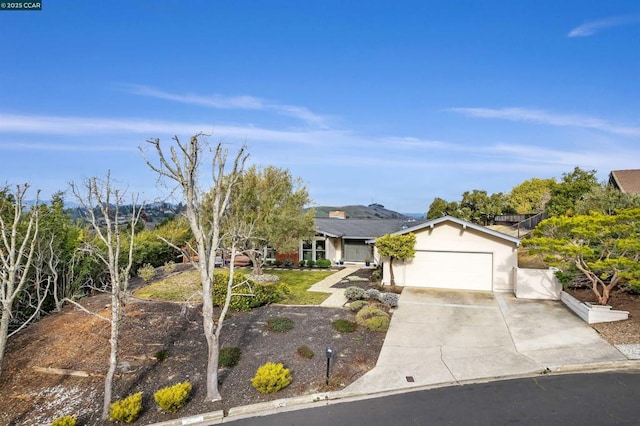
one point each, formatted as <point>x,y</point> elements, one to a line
<point>389,102</point>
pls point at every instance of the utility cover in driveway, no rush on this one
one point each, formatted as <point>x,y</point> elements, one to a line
<point>451,270</point>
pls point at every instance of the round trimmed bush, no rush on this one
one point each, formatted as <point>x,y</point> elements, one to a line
<point>173,398</point>
<point>373,293</point>
<point>305,352</point>
<point>377,324</point>
<point>354,293</point>
<point>126,410</point>
<point>229,357</point>
<point>323,263</point>
<point>64,421</point>
<point>356,305</point>
<point>369,312</point>
<point>389,299</point>
<point>344,326</point>
<point>271,378</point>
<point>373,318</point>
<point>280,324</point>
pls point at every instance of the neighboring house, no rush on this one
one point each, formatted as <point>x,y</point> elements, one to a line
<point>626,181</point>
<point>349,240</point>
<point>452,253</point>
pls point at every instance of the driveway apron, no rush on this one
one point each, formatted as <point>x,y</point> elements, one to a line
<point>445,336</point>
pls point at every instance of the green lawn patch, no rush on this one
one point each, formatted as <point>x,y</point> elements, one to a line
<point>298,283</point>
<point>178,288</point>
<point>186,286</point>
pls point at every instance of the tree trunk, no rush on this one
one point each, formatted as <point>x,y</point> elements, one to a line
<point>255,262</point>
<point>4,332</point>
<point>393,281</point>
<point>213,348</point>
<point>113,356</point>
<point>213,394</point>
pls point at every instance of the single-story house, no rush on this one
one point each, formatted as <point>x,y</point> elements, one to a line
<point>452,253</point>
<point>349,240</point>
<point>626,181</point>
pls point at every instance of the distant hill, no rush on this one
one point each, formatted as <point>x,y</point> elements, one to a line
<point>415,215</point>
<point>372,211</point>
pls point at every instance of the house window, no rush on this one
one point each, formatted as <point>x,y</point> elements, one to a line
<point>314,250</point>
<point>269,253</point>
<point>307,250</point>
<point>321,252</point>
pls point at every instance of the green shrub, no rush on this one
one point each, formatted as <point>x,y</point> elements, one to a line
<point>161,355</point>
<point>288,263</point>
<point>280,324</point>
<point>368,317</point>
<point>356,305</point>
<point>271,377</point>
<point>277,262</point>
<point>173,398</point>
<point>147,272</point>
<point>263,293</point>
<point>389,299</point>
<point>169,267</point>
<point>229,357</point>
<point>377,274</point>
<point>64,421</point>
<point>377,323</point>
<point>126,410</point>
<point>323,263</point>
<point>354,293</point>
<point>369,312</point>
<point>302,263</point>
<point>310,263</point>
<point>373,293</point>
<point>345,326</point>
<point>305,352</point>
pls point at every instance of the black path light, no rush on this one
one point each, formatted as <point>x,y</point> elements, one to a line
<point>329,354</point>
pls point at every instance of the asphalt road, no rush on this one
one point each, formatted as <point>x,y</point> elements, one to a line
<point>577,399</point>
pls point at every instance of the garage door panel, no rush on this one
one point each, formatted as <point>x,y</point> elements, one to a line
<point>452,270</point>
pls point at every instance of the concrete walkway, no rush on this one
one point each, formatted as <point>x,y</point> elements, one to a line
<point>440,337</point>
<point>337,299</point>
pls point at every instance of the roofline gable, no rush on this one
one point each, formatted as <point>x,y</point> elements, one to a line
<point>465,224</point>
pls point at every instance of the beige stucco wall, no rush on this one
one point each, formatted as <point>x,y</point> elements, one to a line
<point>334,249</point>
<point>449,236</point>
<point>536,284</point>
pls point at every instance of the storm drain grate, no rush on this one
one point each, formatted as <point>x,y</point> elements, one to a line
<point>410,379</point>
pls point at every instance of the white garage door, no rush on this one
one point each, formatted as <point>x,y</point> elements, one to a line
<point>454,270</point>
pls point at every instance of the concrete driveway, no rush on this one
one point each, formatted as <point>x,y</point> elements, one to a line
<point>444,336</point>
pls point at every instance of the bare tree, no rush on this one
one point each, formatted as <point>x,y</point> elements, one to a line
<point>19,236</point>
<point>108,223</point>
<point>182,167</point>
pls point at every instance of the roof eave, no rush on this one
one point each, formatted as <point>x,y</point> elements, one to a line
<point>432,223</point>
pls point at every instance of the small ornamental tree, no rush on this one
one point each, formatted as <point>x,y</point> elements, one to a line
<point>396,246</point>
<point>605,248</point>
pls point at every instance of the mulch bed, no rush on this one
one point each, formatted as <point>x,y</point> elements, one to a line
<point>76,341</point>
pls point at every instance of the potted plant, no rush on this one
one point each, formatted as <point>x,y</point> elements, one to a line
<point>367,262</point>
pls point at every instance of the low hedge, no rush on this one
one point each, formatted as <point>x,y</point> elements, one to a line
<point>260,293</point>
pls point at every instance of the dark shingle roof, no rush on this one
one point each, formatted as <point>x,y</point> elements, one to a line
<point>627,181</point>
<point>362,228</point>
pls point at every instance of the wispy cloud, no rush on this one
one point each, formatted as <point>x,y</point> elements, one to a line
<point>593,27</point>
<point>43,146</point>
<point>232,102</point>
<point>55,125</point>
<point>544,117</point>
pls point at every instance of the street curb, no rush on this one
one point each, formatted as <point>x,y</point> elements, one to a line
<point>331,398</point>
<point>596,366</point>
